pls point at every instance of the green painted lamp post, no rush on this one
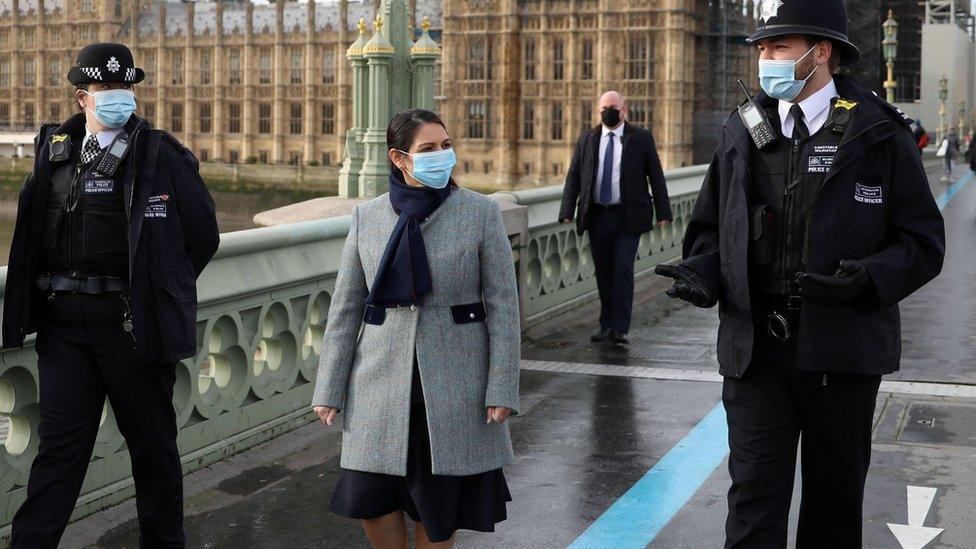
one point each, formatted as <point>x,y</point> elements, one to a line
<point>890,45</point>
<point>390,74</point>
<point>943,95</point>
<point>379,54</point>
<point>353,164</point>
<point>962,118</point>
<point>424,54</point>
<point>960,131</point>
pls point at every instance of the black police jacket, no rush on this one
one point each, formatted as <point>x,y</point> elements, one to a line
<point>899,239</point>
<point>172,235</point>
<point>639,166</point>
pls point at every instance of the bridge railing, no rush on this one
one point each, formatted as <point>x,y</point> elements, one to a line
<point>264,300</point>
<point>559,271</point>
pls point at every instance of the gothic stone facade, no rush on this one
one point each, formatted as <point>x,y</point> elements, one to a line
<point>269,83</point>
<point>235,81</point>
<point>521,78</point>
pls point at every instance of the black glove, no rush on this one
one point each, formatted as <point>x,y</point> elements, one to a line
<point>850,282</point>
<point>688,286</point>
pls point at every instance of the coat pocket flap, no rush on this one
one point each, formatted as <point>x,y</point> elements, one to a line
<point>374,315</point>
<point>464,314</point>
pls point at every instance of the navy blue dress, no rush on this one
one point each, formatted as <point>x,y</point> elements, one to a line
<point>444,504</point>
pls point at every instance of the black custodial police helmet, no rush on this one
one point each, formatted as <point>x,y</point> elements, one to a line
<point>819,18</point>
<point>105,62</point>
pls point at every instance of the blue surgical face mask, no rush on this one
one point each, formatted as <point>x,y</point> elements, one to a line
<point>433,169</point>
<point>778,77</point>
<point>113,107</point>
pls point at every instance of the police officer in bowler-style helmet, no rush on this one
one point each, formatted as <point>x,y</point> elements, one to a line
<point>114,225</point>
<point>815,219</point>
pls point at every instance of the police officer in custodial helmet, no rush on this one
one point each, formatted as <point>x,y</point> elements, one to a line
<point>113,227</point>
<point>815,219</point>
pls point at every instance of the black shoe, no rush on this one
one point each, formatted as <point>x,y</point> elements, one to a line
<point>605,334</point>
<point>620,338</point>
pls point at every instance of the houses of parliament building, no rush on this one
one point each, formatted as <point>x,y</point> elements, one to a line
<point>244,82</point>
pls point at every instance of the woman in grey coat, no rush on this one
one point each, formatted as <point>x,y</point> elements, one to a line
<point>421,350</point>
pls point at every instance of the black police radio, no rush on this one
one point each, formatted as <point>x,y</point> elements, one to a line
<point>755,120</point>
<point>114,155</point>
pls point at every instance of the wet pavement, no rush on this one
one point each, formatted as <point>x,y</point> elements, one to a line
<point>596,418</point>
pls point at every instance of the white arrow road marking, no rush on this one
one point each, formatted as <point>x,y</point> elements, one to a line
<point>914,535</point>
<point>919,502</point>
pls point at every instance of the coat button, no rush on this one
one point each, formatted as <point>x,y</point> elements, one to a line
<point>471,316</point>
<point>413,307</point>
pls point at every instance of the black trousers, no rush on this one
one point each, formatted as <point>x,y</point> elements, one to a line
<point>772,409</point>
<point>84,356</point>
<point>614,253</point>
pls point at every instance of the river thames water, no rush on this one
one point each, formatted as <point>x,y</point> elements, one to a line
<point>235,210</point>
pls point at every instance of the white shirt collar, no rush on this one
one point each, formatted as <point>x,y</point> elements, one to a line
<point>618,131</point>
<point>105,137</point>
<point>812,106</point>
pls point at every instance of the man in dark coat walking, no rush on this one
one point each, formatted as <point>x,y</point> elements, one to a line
<point>114,225</point>
<point>807,245</point>
<point>615,183</point>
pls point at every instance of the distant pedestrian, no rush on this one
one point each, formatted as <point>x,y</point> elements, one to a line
<point>950,144</point>
<point>615,185</point>
<point>421,350</point>
<point>921,136</point>
<point>971,151</point>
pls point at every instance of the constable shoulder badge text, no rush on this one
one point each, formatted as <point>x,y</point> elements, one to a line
<point>156,207</point>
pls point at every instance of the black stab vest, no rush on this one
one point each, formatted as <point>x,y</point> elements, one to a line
<point>85,225</point>
<point>786,180</point>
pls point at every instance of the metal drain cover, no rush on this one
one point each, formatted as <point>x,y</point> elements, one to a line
<point>667,353</point>
<point>931,423</point>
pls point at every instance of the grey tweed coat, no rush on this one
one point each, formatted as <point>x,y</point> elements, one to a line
<point>467,361</point>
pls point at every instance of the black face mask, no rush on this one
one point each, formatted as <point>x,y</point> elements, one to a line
<point>610,117</point>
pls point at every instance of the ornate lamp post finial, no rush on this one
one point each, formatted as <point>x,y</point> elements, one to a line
<point>361,25</point>
<point>425,24</point>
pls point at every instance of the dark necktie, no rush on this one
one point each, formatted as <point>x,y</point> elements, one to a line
<point>606,181</point>
<point>800,130</point>
<point>91,149</point>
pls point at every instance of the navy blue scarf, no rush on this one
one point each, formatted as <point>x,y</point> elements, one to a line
<point>403,276</point>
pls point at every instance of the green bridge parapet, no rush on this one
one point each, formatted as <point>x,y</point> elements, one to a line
<point>264,300</point>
